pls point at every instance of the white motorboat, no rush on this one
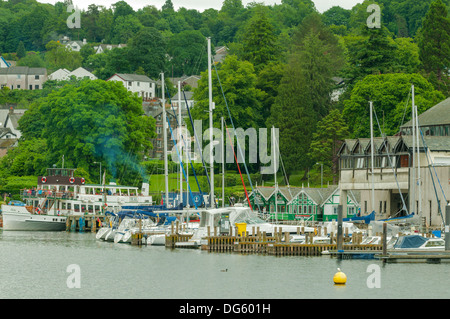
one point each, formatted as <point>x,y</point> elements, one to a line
<point>227,217</point>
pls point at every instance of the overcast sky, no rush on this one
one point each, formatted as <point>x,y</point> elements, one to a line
<point>321,5</point>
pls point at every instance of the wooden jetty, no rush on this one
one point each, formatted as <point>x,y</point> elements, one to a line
<point>430,257</point>
<point>84,223</point>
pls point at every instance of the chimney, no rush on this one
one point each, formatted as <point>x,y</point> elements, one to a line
<point>84,41</point>
<point>11,110</point>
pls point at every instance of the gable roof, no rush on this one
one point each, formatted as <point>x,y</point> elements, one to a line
<point>436,115</point>
<point>133,77</point>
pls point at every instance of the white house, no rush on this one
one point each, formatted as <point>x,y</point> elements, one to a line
<point>136,83</point>
<point>76,45</point>
<point>4,63</point>
<point>103,47</point>
<point>82,73</point>
<point>59,75</point>
<point>64,74</point>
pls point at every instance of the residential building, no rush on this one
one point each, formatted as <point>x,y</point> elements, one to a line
<point>155,110</point>
<point>76,45</point>
<point>191,80</point>
<point>136,83</point>
<point>401,182</point>
<point>104,47</point>
<point>64,74</point>
<point>59,75</point>
<point>184,97</point>
<point>9,122</point>
<point>23,77</point>
<point>4,63</point>
<point>220,54</point>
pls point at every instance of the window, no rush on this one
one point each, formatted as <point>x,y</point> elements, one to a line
<point>36,87</point>
<point>138,83</point>
<point>129,83</point>
<point>36,77</point>
<point>18,86</point>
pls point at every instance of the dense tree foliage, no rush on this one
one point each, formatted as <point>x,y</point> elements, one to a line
<point>289,66</point>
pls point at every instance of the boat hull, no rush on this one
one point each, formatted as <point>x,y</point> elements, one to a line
<point>19,219</point>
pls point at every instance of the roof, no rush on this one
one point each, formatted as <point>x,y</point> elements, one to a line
<point>437,115</point>
<point>133,77</point>
<point>318,195</point>
<point>434,143</point>
<point>23,70</point>
<point>189,96</point>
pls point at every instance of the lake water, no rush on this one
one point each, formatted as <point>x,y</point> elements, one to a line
<point>76,265</point>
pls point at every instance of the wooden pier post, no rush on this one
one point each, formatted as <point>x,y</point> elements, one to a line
<point>384,241</point>
<point>339,238</point>
<point>447,226</point>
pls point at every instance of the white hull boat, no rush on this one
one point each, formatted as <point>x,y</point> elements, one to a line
<point>19,218</point>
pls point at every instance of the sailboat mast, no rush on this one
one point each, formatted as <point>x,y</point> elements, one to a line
<point>371,155</point>
<point>419,192</point>
<point>413,171</point>
<point>274,150</point>
<point>180,127</point>
<point>223,163</point>
<point>211,107</point>
<point>166,169</point>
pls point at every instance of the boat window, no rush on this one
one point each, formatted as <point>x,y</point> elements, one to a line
<point>435,243</point>
<point>248,217</point>
<point>76,207</point>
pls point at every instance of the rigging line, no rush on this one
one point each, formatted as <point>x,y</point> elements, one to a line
<point>390,164</point>
<point>181,162</point>
<point>234,129</point>
<point>406,105</point>
<point>242,179</point>
<point>196,140</point>
<point>185,146</point>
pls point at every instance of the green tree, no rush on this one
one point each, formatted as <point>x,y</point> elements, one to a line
<point>96,121</point>
<point>187,51</point>
<point>21,50</point>
<point>147,49</point>
<point>32,60</point>
<point>390,94</point>
<point>434,41</point>
<point>330,133</point>
<point>238,80</point>
<point>59,56</point>
<point>293,114</point>
<point>259,42</point>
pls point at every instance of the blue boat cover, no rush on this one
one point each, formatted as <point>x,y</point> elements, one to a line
<point>365,219</point>
<point>410,241</point>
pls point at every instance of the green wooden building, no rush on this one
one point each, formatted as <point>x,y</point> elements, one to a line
<point>297,203</point>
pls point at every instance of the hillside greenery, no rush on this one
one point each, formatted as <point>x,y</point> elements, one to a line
<point>284,66</point>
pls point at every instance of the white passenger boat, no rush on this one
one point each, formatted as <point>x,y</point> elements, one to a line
<point>60,194</point>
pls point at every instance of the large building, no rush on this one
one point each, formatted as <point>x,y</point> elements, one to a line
<point>136,83</point>
<point>399,187</point>
<point>23,77</point>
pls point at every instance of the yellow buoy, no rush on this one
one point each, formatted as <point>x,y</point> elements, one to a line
<point>340,278</point>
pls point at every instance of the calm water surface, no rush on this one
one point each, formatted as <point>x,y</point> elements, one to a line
<point>35,265</point>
